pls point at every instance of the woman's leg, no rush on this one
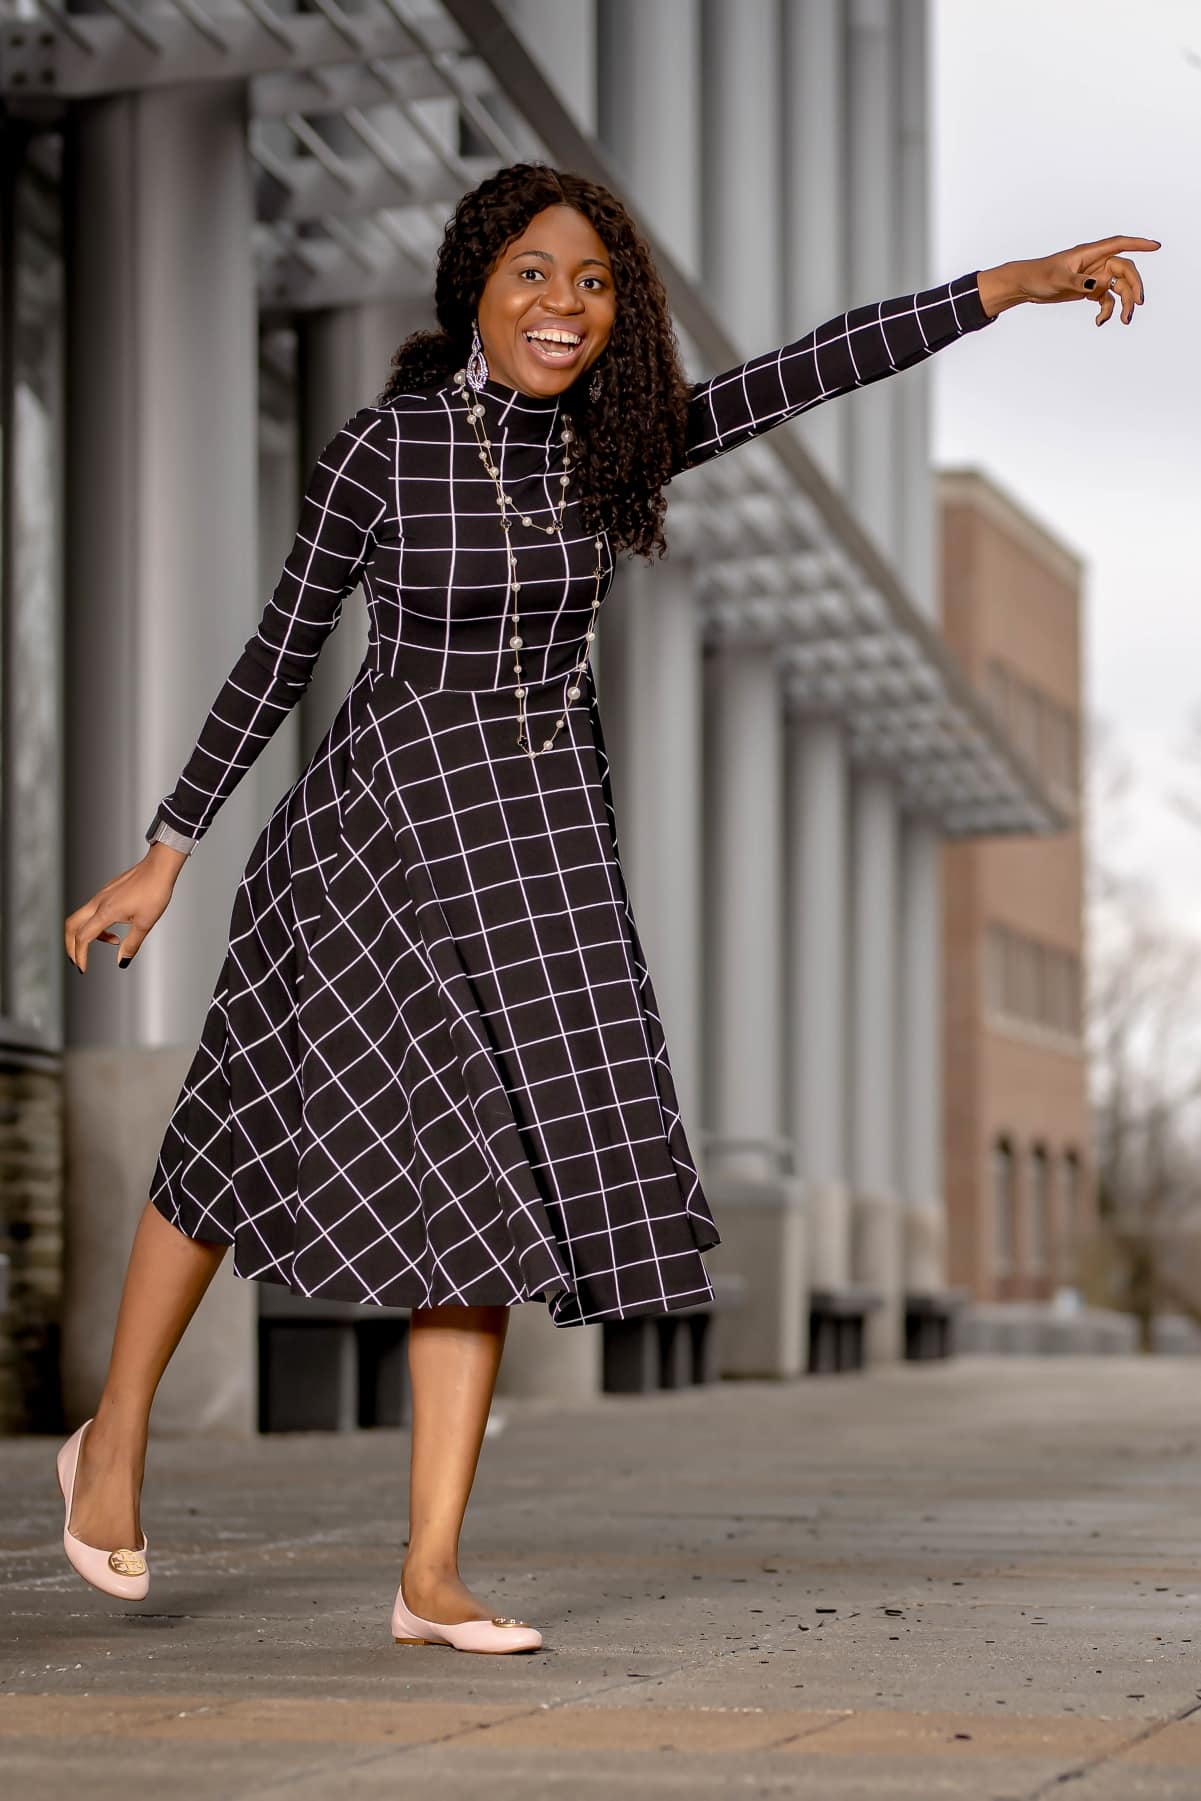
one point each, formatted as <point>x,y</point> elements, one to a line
<point>454,1354</point>
<point>165,1280</point>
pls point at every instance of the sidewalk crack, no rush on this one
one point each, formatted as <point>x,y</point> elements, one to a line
<point>1079,1772</point>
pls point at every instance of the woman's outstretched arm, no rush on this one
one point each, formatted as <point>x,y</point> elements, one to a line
<point>883,337</point>
<point>344,500</point>
<point>863,345</point>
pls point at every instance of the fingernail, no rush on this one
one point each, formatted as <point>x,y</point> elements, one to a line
<point>124,962</point>
<point>1090,282</point>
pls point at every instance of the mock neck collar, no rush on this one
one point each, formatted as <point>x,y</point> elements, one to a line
<point>497,397</point>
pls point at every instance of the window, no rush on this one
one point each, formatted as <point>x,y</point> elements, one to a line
<point>1071,1223</point>
<point>1033,983</point>
<point>1042,730</point>
<point>1004,1202</point>
<point>1040,1211</point>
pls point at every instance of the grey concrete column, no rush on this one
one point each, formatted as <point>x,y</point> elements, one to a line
<point>914,492</point>
<point>345,353</point>
<point>815,221</point>
<point>741,168</point>
<point>876,1231</point>
<point>871,141</point>
<point>161,596</point>
<point>651,714</point>
<point>920,1047</point>
<point>817,926</point>
<point>537,1363</point>
<point>649,84</point>
<point>760,1204</point>
<point>561,35</point>
<point>919,1055</point>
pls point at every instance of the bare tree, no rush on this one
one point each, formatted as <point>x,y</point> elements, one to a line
<point>1145,1049</point>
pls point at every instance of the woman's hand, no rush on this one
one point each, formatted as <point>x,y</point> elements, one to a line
<point>139,895</point>
<point>1097,271</point>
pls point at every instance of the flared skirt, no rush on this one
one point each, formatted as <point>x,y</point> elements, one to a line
<point>433,1068</point>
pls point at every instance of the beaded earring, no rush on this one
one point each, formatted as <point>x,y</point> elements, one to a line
<point>477,362</point>
<point>594,387</point>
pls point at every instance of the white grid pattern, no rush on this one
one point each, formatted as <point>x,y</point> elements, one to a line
<point>433,1068</point>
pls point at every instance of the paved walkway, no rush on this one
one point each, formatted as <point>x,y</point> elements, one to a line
<point>978,1580</point>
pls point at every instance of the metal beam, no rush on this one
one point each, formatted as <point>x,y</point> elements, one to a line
<point>323,275</point>
<point>396,80</point>
<point>79,55</point>
<point>299,188</point>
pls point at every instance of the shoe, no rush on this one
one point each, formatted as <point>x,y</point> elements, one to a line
<point>495,1634</point>
<point>125,1574</point>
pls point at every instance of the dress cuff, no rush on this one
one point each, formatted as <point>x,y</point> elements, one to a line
<point>159,832</point>
<point>968,305</point>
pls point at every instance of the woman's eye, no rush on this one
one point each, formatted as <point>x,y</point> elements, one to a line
<point>530,271</point>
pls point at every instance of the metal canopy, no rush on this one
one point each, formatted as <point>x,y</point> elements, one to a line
<point>365,126</point>
<point>124,46</point>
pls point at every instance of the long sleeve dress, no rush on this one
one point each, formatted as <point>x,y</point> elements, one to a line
<point>433,1069</point>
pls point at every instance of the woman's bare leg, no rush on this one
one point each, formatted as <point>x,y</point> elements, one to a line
<point>165,1280</point>
<point>454,1354</point>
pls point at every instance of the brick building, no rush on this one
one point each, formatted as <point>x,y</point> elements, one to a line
<point>1016,1131</point>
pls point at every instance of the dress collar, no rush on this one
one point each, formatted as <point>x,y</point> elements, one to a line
<point>512,400</point>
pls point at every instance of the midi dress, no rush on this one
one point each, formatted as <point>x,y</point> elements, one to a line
<point>433,1069</point>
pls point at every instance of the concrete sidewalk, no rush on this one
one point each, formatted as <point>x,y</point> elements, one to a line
<point>975,1580</point>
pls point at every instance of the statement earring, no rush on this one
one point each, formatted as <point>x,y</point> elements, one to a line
<point>594,387</point>
<point>477,362</point>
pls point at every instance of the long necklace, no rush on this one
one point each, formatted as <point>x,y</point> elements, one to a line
<point>475,413</point>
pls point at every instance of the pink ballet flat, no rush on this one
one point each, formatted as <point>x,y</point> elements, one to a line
<point>495,1634</point>
<point>125,1574</point>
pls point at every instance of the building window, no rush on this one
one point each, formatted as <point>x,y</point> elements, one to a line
<point>1070,1214</point>
<point>1044,731</point>
<point>1033,983</point>
<point>1040,1211</point>
<point>1004,1203</point>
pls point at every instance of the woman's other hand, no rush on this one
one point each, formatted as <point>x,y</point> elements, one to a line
<point>138,896</point>
<point>1098,271</point>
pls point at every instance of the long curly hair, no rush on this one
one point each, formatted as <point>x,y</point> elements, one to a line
<point>628,441</point>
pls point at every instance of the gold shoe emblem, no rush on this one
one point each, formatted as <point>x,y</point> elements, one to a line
<point>497,1621</point>
<point>127,1563</point>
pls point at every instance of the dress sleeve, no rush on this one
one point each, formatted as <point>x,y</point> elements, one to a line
<point>860,346</point>
<point>343,503</point>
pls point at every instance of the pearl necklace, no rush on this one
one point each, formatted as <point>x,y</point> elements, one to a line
<point>475,413</point>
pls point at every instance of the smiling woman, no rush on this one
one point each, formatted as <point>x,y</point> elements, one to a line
<point>534,251</point>
<point>433,1072</point>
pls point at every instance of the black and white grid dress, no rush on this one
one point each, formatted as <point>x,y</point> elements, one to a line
<point>432,1069</point>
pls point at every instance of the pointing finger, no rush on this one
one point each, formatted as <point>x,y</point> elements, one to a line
<point>1112,246</point>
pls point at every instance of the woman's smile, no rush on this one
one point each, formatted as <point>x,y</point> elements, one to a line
<point>557,346</point>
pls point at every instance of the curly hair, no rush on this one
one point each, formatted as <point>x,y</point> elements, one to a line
<point>628,441</point>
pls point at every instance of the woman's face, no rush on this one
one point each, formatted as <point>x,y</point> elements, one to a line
<point>548,306</point>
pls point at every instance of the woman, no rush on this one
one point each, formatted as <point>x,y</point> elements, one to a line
<point>432,1073</point>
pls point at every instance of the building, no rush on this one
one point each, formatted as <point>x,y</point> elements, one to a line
<point>1017,1158</point>
<point>220,220</point>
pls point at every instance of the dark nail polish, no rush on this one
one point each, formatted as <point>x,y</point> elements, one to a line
<point>124,962</point>
<point>1090,282</point>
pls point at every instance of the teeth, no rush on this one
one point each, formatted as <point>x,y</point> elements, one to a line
<point>553,337</point>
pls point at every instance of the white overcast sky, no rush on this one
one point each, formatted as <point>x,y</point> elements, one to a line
<point>1056,122</point>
